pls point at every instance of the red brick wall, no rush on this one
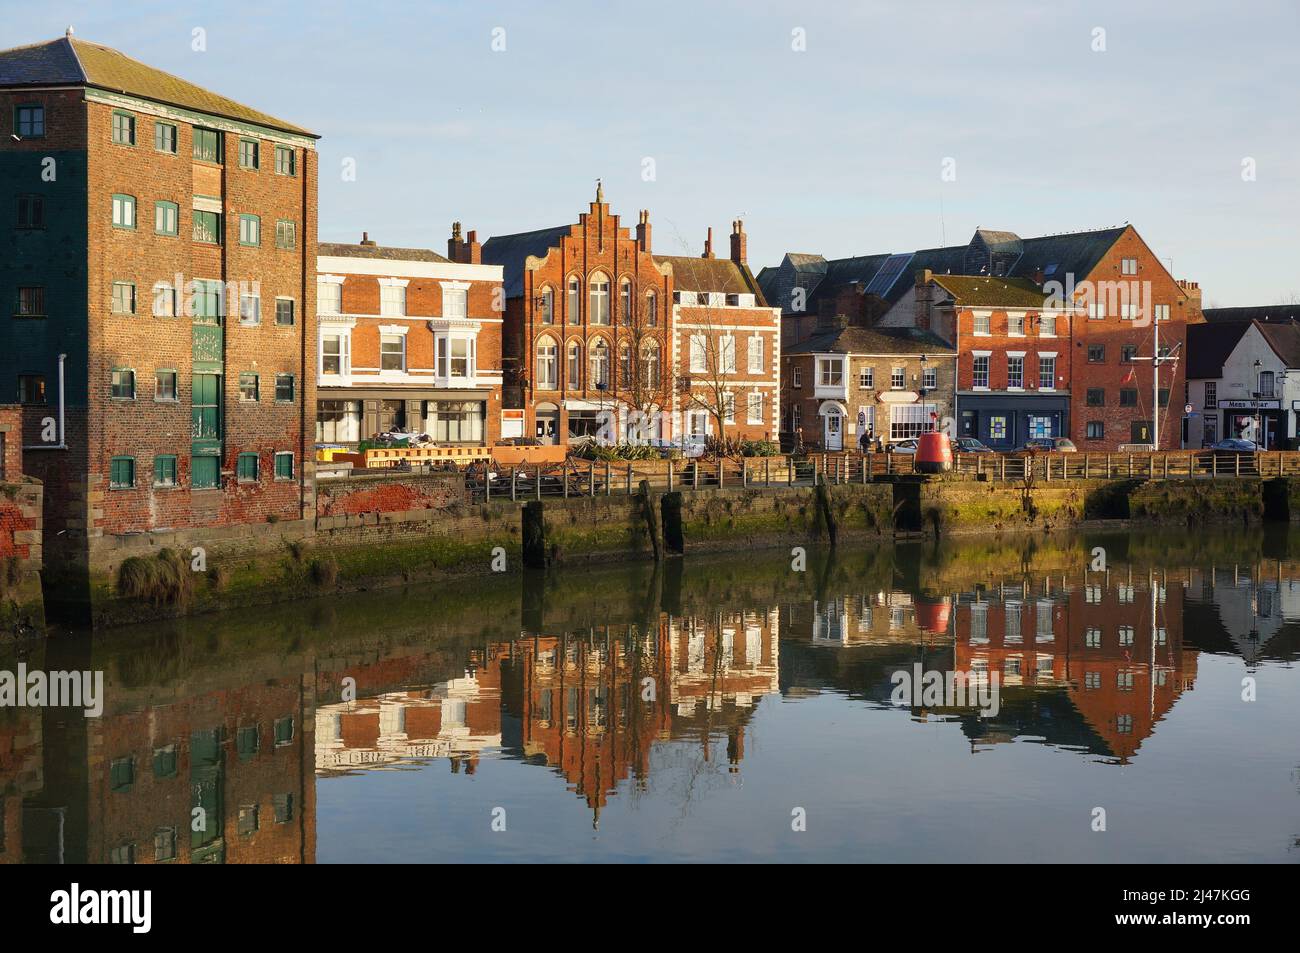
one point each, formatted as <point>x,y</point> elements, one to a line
<point>1114,333</point>
<point>145,427</point>
<point>389,494</point>
<point>999,342</point>
<point>597,243</point>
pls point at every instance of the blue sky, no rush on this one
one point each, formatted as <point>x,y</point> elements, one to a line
<point>836,149</point>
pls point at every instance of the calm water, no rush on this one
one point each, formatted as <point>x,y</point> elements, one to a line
<point>699,713</point>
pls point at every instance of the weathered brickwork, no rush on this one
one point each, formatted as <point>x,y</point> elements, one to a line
<point>383,494</point>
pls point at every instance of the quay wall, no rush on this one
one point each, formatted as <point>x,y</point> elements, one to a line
<point>383,533</point>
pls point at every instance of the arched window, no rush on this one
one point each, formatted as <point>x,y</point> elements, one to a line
<point>598,299</point>
<point>573,299</point>
<point>547,363</point>
<point>625,302</point>
<point>650,363</point>
<point>651,309</point>
<point>574,381</point>
<point>599,363</point>
<point>548,305</point>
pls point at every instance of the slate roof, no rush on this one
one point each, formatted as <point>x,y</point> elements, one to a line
<point>1070,252</point>
<point>345,250</point>
<point>856,340</point>
<point>510,251</point>
<point>1208,346</point>
<point>712,274</point>
<point>1074,253</point>
<point>69,61</point>
<point>1264,312</point>
<point>984,291</point>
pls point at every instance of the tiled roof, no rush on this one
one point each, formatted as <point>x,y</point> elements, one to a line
<point>70,61</point>
<point>510,251</point>
<point>712,274</point>
<point>1283,338</point>
<point>345,250</point>
<point>1208,346</point>
<point>856,340</point>
<point>983,291</point>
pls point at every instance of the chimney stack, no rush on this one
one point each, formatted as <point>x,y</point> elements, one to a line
<point>643,231</point>
<point>739,251</point>
<point>365,240</point>
<point>467,251</point>
<point>924,277</point>
<point>708,245</point>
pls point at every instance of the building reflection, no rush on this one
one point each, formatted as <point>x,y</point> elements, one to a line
<point>213,758</point>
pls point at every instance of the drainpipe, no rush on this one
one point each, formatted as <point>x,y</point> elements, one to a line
<point>62,444</point>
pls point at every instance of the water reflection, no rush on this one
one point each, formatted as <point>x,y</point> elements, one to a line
<point>220,734</point>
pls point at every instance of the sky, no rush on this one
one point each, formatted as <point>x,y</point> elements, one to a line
<point>834,128</point>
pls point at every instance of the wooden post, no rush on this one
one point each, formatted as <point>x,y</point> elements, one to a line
<point>721,462</point>
<point>538,481</point>
<point>670,476</point>
<point>514,484</point>
<point>609,473</point>
<point>629,479</point>
<point>744,473</point>
<point>695,474</point>
<point>767,471</point>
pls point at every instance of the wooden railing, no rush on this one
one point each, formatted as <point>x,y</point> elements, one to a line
<point>603,478</point>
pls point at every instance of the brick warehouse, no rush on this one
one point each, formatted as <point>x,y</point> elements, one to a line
<point>409,341</point>
<point>137,204</point>
<point>605,339</point>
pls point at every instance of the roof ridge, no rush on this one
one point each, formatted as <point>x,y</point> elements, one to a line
<point>72,47</point>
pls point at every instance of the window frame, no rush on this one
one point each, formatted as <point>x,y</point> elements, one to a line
<point>124,202</point>
<point>18,111</point>
<point>162,205</point>
<point>159,146</point>
<point>114,482</point>
<point>131,127</point>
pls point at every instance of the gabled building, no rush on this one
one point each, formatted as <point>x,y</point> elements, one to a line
<point>408,341</point>
<point>605,340</point>
<point>157,251</point>
<point>1243,380</point>
<point>1129,297</point>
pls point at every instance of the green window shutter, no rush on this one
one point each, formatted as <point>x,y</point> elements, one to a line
<point>164,470</point>
<point>207,227</point>
<point>121,473</point>
<point>122,774</point>
<point>207,145</point>
<point>247,467</point>
<point>164,762</point>
<point>284,466</point>
<point>283,731</point>
<point>205,472</point>
<point>285,160</point>
<point>123,129</point>
<point>247,741</point>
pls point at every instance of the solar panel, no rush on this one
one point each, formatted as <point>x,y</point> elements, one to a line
<point>888,274</point>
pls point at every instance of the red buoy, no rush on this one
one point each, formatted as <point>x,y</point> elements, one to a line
<point>933,453</point>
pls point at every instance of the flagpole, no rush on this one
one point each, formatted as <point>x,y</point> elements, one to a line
<point>1155,383</point>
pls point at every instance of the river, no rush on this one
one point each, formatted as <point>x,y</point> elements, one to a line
<point>1102,698</point>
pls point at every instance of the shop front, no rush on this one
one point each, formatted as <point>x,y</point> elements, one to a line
<point>451,417</point>
<point>1260,420</point>
<point>1005,421</point>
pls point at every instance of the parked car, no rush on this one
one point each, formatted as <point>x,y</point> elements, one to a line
<point>1234,445</point>
<point>1047,445</point>
<point>903,446</point>
<point>970,445</point>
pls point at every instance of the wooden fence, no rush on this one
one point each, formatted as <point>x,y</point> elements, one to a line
<point>602,478</point>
